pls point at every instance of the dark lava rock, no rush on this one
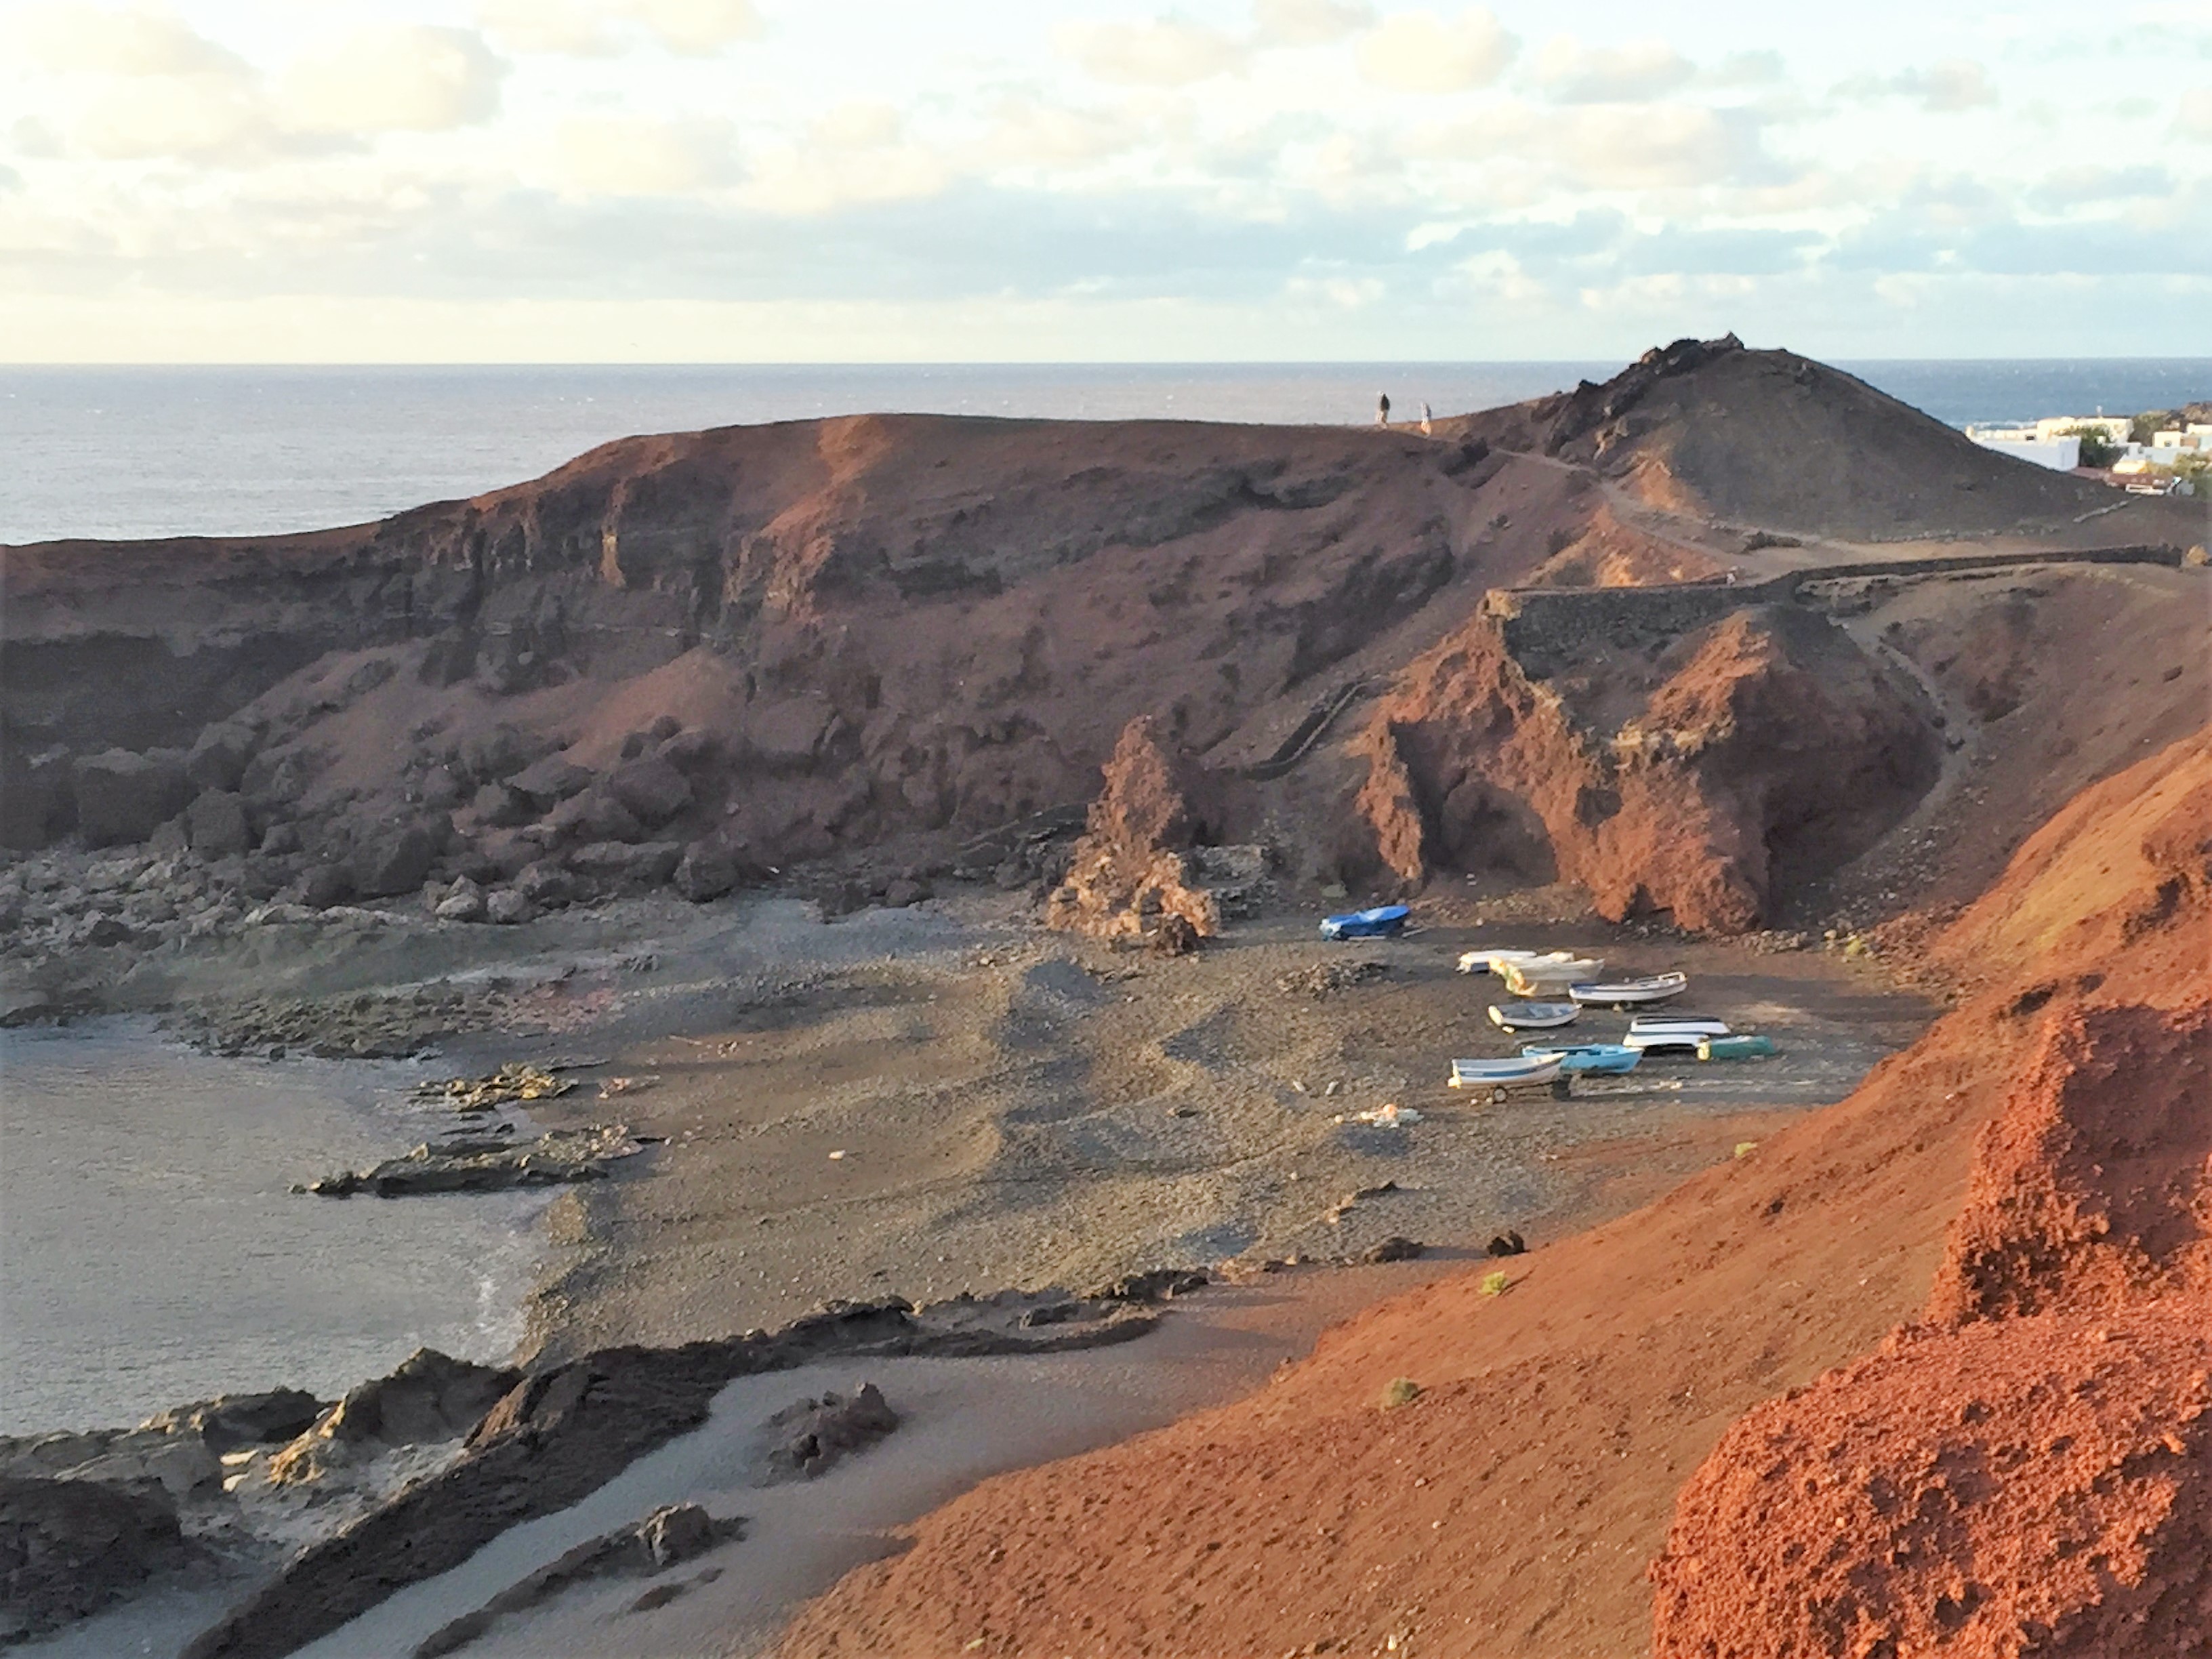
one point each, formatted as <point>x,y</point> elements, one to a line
<point>544,883</point>
<point>687,751</point>
<point>595,815</point>
<point>1158,1285</point>
<point>652,789</point>
<point>123,797</point>
<point>217,760</point>
<point>1508,1244</point>
<point>232,1420</point>
<point>647,865</point>
<point>430,1397</point>
<point>564,1432</point>
<point>1392,1249</point>
<point>216,825</point>
<point>502,807</point>
<point>395,860</point>
<point>557,1158</point>
<point>70,1547</point>
<point>322,886</point>
<point>806,1438</point>
<point>705,871</point>
<point>666,1538</point>
<point>551,781</point>
<point>37,796</point>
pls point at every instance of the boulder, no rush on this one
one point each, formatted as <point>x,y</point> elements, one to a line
<point>321,885</point>
<point>688,750</point>
<point>805,1439</point>
<point>70,1547</point>
<point>707,871</point>
<point>463,903</point>
<point>443,788</point>
<point>217,759</point>
<point>545,883</point>
<point>431,1397</point>
<point>500,753</point>
<point>280,839</point>
<point>507,908</point>
<point>786,735</point>
<point>663,727</point>
<point>549,780</point>
<point>38,797</point>
<point>595,815</point>
<point>395,859</point>
<point>124,797</point>
<point>216,824</point>
<point>502,808</point>
<point>232,1420</point>
<point>646,865</point>
<point>652,789</point>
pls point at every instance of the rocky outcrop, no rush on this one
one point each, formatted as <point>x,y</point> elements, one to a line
<point>805,1439</point>
<point>1131,875</point>
<point>488,1163</point>
<point>1697,773</point>
<point>667,1538</point>
<point>561,1432</point>
<point>430,1397</point>
<point>68,1548</point>
<point>123,797</point>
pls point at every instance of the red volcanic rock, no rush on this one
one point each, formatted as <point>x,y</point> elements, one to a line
<point>2038,1486</point>
<point>1128,876</point>
<point>1690,773</point>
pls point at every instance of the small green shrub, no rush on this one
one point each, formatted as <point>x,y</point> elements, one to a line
<point>1496,1284</point>
<point>1399,1391</point>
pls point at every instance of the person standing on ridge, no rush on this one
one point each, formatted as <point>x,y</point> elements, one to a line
<point>1426,430</point>
<point>1382,409</point>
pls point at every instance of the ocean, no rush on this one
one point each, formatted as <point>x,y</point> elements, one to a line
<point>134,452</point>
<point>152,1253</point>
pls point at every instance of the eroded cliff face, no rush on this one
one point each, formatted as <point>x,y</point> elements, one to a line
<point>1694,771</point>
<point>879,626</point>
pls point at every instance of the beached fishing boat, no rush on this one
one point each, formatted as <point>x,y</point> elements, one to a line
<point>1745,1046</point>
<point>1552,973</point>
<point>1697,1025</point>
<point>1380,922</point>
<point>1533,1016</point>
<point>1624,993</point>
<point>1608,1059</point>
<point>1493,961</point>
<point>1659,1036</point>
<point>1502,1076</point>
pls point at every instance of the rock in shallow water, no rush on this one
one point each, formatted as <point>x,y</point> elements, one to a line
<point>487,1166</point>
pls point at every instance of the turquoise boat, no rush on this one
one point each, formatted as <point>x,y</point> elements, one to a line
<point>1606,1059</point>
<point>1740,1047</point>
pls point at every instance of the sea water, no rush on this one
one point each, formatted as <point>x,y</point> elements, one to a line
<point>127,452</point>
<point>152,1253</point>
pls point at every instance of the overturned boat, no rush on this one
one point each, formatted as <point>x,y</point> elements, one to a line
<point>1534,1016</point>
<point>1383,921</point>
<point>1742,1045</point>
<point>1682,1037</point>
<point>1627,992</point>
<point>1495,960</point>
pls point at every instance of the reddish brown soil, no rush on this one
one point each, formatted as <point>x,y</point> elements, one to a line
<point>2037,1485</point>
<point>1709,429</point>
<point>1513,1507</point>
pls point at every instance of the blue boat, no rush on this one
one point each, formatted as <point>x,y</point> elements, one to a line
<point>1383,921</point>
<point>1608,1058</point>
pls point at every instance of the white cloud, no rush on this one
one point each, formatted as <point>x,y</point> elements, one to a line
<point>410,78</point>
<point>624,155</point>
<point>2192,118</point>
<point>858,152</point>
<point>1955,85</point>
<point>1153,54</point>
<point>143,39</point>
<point>1578,74</point>
<point>600,28</point>
<point>1420,52</point>
<point>1309,22</point>
<point>1034,132</point>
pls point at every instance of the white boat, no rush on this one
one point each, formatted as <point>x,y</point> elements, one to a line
<point>1703,1025</point>
<point>1677,1036</point>
<point>1620,993</point>
<point>1555,971</point>
<point>1494,960</point>
<point>1533,1016</point>
<point>1499,1075</point>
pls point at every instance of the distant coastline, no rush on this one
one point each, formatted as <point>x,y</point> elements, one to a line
<point>144,452</point>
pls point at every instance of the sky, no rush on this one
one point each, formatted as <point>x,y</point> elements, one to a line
<point>1007,180</point>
